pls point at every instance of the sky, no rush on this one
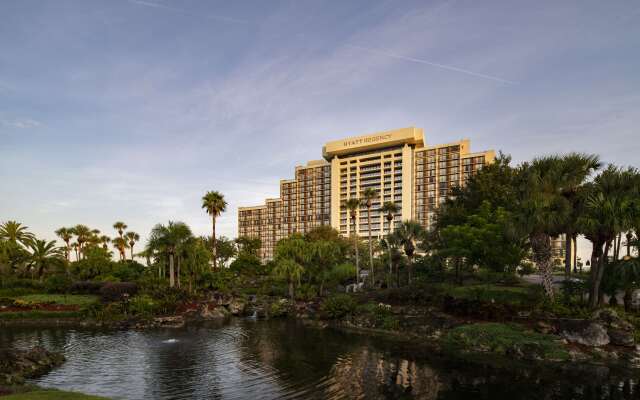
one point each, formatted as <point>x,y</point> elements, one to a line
<point>132,109</point>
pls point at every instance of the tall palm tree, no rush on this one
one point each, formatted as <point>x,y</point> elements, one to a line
<point>408,234</point>
<point>44,255</point>
<point>66,234</point>
<point>368,195</point>
<point>390,209</point>
<point>76,249</point>
<point>575,169</point>
<point>610,207</point>
<point>104,241</point>
<point>15,232</point>
<point>213,202</point>
<point>120,227</point>
<point>165,241</point>
<point>353,205</point>
<point>120,244</point>
<point>132,237</point>
<point>83,234</point>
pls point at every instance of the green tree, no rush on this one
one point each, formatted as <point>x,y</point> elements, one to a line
<point>409,235</point>
<point>352,206</point>
<point>120,244</point>
<point>166,241</point>
<point>44,256</point>
<point>225,250</point>
<point>213,202</point>
<point>249,245</point>
<point>120,227</point>
<point>66,234</point>
<point>291,271</point>
<point>132,238</point>
<point>15,232</point>
<point>325,255</point>
<point>83,235</point>
<point>390,209</point>
<point>368,196</point>
<point>104,241</point>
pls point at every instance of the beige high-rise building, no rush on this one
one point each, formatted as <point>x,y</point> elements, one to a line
<point>397,164</point>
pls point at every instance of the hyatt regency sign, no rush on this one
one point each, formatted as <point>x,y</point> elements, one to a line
<point>366,140</point>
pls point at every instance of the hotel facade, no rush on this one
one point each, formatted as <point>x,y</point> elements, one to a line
<point>397,164</point>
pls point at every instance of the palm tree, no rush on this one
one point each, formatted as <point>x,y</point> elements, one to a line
<point>166,241</point>
<point>133,238</point>
<point>120,227</point>
<point>368,195</point>
<point>83,234</point>
<point>213,202</point>
<point>76,249</point>
<point>408,234</point>
<point>290,270</point>
<point>66,234</point>
<point>104,240</point>
<point>576,168</point>
<point>120,244</point>
<point>391,209</point>
<point>15,232</point>
<point>610,207</point>
<point>44,255</point>
<point>353,205</point>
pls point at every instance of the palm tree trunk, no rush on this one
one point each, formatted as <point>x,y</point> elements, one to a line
<point>390,256</point>
<point>597,271</point>
<point>172,281</point>
<point>291,291</point>
<point>178,272</point>
<point>213,242</point>
<point>541,246</point>
<point>355,247</point>
<point>410,269</point>
<point>574,240</point>
<point>131,252</point>
<point>373,280</point>
<point>568,253</point>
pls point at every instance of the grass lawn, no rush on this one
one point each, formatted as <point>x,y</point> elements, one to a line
<point>63,299</point>
<point>502,339</point>
<point>43,394</point>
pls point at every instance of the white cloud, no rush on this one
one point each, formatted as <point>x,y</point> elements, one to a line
<point>20,123</point>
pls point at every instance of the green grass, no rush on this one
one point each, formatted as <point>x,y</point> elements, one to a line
<point>514,295</point>
<point>38,314</point>
<point>505,340</point>
<point>43,394</point>
<point>63,299</point>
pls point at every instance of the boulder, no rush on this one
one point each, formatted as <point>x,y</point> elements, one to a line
<point>169,322</point>
<point>237,306</point>
<point>620,331</point>
<point>16,365</point>
<point>211,312</point>
<point>586,333</point>
<point>621,337</point>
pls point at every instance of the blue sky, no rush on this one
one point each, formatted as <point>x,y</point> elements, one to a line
<point>130,110</point>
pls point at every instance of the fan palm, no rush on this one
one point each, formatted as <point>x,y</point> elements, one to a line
<point>353,205</point>
<point>120,227</point>
<point>213,202</point>
<point>15,232</point>
<point>83,234</point>
<point>408,235</point>
<point>104,241</point>
<point>66,234</point>
<point>120,244</point>
<point>390,209</point>
<point>132,237</point>
<point>368,196</point>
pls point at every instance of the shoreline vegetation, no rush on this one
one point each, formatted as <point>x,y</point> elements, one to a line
<point>457,287</point>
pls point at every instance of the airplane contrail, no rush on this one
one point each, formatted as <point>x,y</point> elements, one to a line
<point>447,67</point>
<point>179,10</point>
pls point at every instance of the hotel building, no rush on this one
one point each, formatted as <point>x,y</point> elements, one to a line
<point>397,164</point>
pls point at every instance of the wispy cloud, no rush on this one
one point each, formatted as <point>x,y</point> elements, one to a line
<point>185,12</point>
<point>437,65</point>
<point>20,123</point>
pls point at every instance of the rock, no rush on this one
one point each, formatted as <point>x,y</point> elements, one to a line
<point>169,322</point>
<point>16,365</point>
<point>237,306</point>
<point>544,327</point>
<point>621,337</point>
<point>586,333</point>
<point>210,312</point>
<point>610,319</point>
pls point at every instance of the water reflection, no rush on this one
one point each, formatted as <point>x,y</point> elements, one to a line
<point>279,359</point>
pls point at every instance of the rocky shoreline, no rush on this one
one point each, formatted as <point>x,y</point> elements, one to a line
<point>18,365</point>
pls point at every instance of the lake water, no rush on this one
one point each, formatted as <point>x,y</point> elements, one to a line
<point>248,359</point>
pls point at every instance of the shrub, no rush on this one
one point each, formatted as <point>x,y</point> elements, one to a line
<point>143,306</point>
<point>306,292</point>
<point>168,299</point>
<point>58,284</point>
<point>115,291</point>
<point>279,308</point>
<point>338,306</point>
<point>86,287</point>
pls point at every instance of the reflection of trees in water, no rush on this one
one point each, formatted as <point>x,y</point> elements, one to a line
<point>367,374</point>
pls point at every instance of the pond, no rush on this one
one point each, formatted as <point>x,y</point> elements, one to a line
<point>249,359</point>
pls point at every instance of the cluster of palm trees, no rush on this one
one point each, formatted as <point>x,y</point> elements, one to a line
<point>406,237</point>
<point>23,252</point>
<point>86,237</point>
